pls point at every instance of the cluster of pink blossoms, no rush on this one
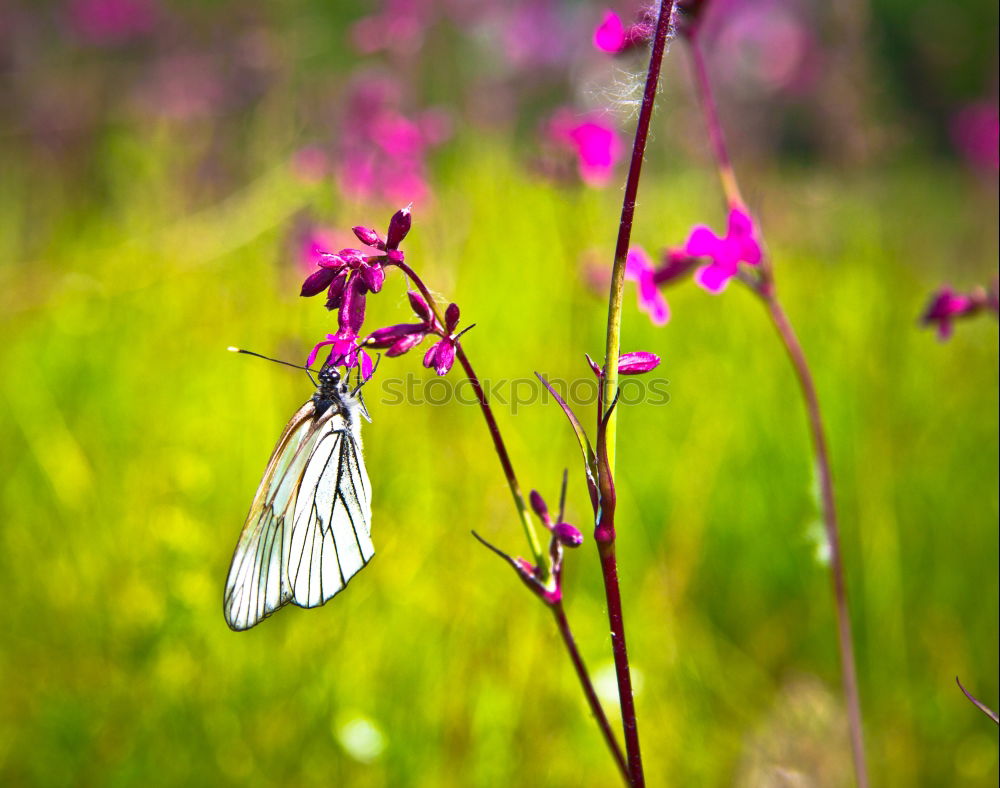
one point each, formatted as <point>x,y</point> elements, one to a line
<point>348,276</point>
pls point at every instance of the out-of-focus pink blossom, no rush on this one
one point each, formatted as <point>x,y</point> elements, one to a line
<point>595,143</point>
<point>533,32</point>
<point>975,131</point>
<point>399,26</point>
<point>609,35</point>
<point>103,22</point>
<point>762,47</point>
<point>946,306</point>
<point>639,269</point>
<point>737,246</point>
<point>381,150</point>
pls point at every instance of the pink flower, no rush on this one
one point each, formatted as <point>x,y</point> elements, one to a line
<point>609,35</point>
<point>104,22</point>
<point>441,355</point>
<point>944,307</point>
<point>737,246</point>
<point>596,144</point>
<point>639,269</point>
<point>975,130</point>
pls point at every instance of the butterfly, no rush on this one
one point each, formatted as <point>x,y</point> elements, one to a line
<point>309,528</point>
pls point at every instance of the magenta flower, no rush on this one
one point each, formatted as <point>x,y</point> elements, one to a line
<point>595,143</point>
<point>727,252</point>
<point>613,37</point>
<point>944,307</point>
<point>401,338</point>
<point>103,22</point>
<point>609,35</point>
<point>637,362</point>
<point>639,269</point>
<point>567,535</point>
<point>441,355</point>
<point>975,130</point>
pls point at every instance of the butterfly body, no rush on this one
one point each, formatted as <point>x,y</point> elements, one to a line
<point>309,528</point>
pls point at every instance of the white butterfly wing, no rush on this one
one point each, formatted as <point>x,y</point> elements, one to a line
<point>308,532</point>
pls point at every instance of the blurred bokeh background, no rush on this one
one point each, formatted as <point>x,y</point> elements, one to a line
<point>169,172</point>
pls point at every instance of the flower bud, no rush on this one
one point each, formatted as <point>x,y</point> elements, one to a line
<point>369,237</point>
<point>568,535</point>
<point>399,226</point>
<point>637,363</point>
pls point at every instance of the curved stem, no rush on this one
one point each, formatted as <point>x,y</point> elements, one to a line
<point>588,690</point>
<point>764,287</point>
<point>844,636</point>
<point>491,424</point>
<point>508,468</point>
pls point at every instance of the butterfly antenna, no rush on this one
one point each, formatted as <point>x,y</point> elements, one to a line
<point>308,371</point>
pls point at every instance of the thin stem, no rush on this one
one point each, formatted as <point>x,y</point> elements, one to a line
<point>612,350</point>
<point>703,87</point>
<point>508,468</point>
<point>609,569</point>
<point>588,690</point>
<point>845,638</point>
<point>612,345</point>
<point>764,287</point>
<point>492,426</point>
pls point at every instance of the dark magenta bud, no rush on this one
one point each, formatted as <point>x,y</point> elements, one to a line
<point>419,305</point>
<point>318,281</point>
<point>451,315</point>
<point>373,277</point>
<point>637,363</point>
<point>369,237</point>
<point>568,535</point>
<point>399,226</point>
<point>539,506</point>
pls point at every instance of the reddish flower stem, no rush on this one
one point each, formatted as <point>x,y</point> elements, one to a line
<point>765,288</point>
<point>515,488</point>
<point>491,424</point>
<point>588,690</point>
<point>849,675</point>
<point>612,349</point>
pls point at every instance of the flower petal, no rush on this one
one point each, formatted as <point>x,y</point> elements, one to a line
<point>636,263</point>
<point>739,223</point>
<point>405,344</point>
<point>445,358</point>
<point>713,278</point>
<point>609,35</point>
<point>367,367</point>
<point>373,276</point>
<point>702,242</point>
<point>315,351</point>
<point>651,300</point>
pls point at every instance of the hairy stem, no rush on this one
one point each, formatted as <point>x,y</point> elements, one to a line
<point>588,690</point>
<point>612,350</point>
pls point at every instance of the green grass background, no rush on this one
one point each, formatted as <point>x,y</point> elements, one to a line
<point>131,445</point>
